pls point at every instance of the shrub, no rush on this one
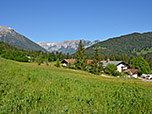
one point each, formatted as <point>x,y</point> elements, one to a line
<point>116,73</point>
<point>110,69</point>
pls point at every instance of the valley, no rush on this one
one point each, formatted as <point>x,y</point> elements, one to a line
<point>75,57</point>
<point>75,76</point>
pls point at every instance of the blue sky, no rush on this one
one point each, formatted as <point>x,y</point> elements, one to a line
<point>58,20</point>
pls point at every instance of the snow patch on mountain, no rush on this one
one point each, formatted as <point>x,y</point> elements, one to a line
<point>67,46</point>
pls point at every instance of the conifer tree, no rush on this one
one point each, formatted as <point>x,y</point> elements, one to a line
<point>113,57</point>
<point>131,57</point>
<point>150,62</point>
<point>69,65</point>
<point>60,56</point>
<point>46,59</point>
<point>67,57</point>
<point>57,63</point>
<point>96,55</point>
<point>96,66</point>
<point>39,58</point>
<point>80,57</point>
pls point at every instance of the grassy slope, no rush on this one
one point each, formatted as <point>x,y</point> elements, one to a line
<point>29,88</point>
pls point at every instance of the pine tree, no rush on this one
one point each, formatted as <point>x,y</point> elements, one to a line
<point>113,57</point>
<point>131,57</point>
<point>69,65</point>
<point>96,55</point>
<point>68,56</point>
<point>39,58</point>
<point>150,62</point>
<point>96,60</point>
<point>96,66</point>
<point>57,63</point>
<point>80,57</point>
<point>46,59</point>
<point>60,55</point>
<point>125,58</point>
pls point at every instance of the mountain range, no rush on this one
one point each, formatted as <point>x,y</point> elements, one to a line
<point>68,46</point>
<point>10,36</point>
<point>131,44</point>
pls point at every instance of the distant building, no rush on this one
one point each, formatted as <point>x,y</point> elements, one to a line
<point>121,66</point>
<point>65,62</point>
<point>133,72</point>
<point>89,61</point>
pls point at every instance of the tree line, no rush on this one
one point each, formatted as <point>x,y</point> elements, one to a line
<point>96,66</point>
<point>10,52</point>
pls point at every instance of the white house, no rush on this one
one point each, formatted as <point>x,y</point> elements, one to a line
<point>133,72</point>
<point>121,66</point>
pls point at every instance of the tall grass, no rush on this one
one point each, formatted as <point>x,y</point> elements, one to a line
<point>27,88</point>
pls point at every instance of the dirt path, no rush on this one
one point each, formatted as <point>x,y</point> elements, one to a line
<point>103,75</point>
<point>145,80</point>
<point>142,79</point>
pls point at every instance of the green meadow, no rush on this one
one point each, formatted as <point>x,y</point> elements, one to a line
<point>26,88</point>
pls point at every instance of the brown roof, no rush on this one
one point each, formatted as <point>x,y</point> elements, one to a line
<point>68,60</point>
<point>133,71</point>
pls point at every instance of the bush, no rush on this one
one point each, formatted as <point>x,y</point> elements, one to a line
<point>110,69</point>
<point>128,73</point>
<point>139,73</point>
<point>116,73</point>
<point>39,60</point>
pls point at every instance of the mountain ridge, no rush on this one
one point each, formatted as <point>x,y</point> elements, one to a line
<point>10,36</point>
<point>132,44</point>
<point>66,46</point>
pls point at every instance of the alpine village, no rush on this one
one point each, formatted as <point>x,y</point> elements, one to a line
<point>106,77</point>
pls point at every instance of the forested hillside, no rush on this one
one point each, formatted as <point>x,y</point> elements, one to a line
<point>9,52</point>
<point>132,44</point>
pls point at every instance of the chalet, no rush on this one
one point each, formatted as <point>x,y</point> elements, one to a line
<point>133,72</point>
<point>121,66</point>
<point>65,62</point>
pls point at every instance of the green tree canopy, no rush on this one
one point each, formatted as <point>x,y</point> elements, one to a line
<point>110,69</point>
<point>141,64</point>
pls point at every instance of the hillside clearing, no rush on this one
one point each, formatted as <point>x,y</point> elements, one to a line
<point>28,88</point>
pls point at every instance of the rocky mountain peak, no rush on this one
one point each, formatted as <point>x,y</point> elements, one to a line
<point>5,29</point>
<point>10,36</point>
<point>67,46</point>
